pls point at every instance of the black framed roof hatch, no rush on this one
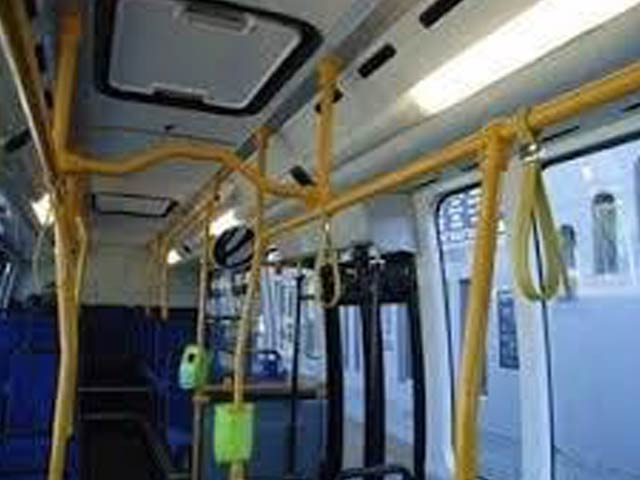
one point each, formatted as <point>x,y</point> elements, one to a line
<point>212,56</point>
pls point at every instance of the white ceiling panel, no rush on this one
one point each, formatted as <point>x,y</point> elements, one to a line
<point>334,20</point>
<point>191,61</point>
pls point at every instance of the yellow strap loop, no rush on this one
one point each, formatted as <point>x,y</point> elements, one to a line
<point>533,207</point>
<point>327,255</point>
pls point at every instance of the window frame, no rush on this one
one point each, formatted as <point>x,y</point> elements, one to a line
<point>609,130</point>
<point>607,136</point>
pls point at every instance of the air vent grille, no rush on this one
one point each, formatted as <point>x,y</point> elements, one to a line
<point>437,11</point>
<point>377,60</point>
<point>109,203</point>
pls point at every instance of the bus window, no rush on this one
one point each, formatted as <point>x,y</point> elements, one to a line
<point>499,420</point>
<point>593,335</point>
<point>354,392</point>
<point>398,389</point>
<point>605,233</point>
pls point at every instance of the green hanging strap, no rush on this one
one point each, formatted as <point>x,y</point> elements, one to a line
<point>533,206</point>
<point>233,432</point>
<point>194,367</point>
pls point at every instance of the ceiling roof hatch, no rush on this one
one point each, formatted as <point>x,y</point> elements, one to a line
<point>214,56</point>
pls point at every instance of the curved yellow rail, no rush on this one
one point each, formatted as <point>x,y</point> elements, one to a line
<point>69,161</point>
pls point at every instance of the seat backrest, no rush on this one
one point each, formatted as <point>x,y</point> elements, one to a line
<point>179,410</point>
<point>32,381</point>
<point>42,334</point>
<point>7,339</point>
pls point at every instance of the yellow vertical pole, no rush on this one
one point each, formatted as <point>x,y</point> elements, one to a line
<point>66,300</point>
<point>198,400</point>
<point>262,137</point>
<point>473,355</point>
<point>66,68</point>
<point>327,75</point>
<point>79,258</point>
<point>71,242</point>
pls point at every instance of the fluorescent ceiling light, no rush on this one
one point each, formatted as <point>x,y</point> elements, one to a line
<point>42,210</point>
<point>223,222</point>
<point>545,26</point>
<point>173,257</point>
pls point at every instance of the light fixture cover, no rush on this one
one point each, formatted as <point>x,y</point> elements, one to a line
<point>540,29</point>
<point>42,210</point>
<point>173,257</point>
<point>223,222</point>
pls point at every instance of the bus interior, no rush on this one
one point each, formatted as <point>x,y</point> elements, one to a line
<point>319,240</point>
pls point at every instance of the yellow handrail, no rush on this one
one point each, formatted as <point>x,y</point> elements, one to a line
<point>534,208</point>
<point>612,87</point>
<point>67,316</point>
<point>18,47</point>
<point>244,327</point>
<point>327,256</point>
<point>16,41</point>
<point>80,259</point>
<point>196,443</point>
<point>473,357</point>
<point>74,162</point>
<point>328,71</point>
<point>83,250</point>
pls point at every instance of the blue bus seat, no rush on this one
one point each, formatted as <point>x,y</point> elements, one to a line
<point>30,454</point>
<point>25,445</point>
<point>179,424</point>
<point>31,391</point>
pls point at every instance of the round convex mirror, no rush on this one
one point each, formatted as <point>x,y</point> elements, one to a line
<point>233,249</point>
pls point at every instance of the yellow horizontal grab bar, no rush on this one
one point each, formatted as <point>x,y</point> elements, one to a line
<point>429,163</point>
<point>612,87</point>
<point>73,162</point>
<point>193,150</point>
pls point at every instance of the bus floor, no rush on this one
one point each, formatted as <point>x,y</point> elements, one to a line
<point>398,452</point>
<point>116,449</point>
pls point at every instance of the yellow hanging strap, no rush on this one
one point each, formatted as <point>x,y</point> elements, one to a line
<point>234,421</point>
<point>327,256</point>
<point>533,208</point>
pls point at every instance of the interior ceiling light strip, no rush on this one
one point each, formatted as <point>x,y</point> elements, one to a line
<point>540,29</point>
